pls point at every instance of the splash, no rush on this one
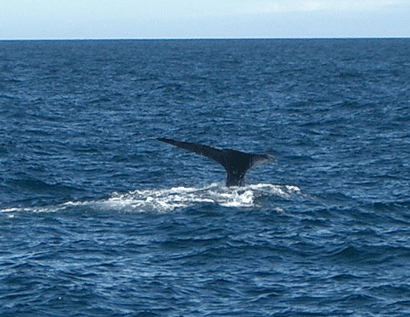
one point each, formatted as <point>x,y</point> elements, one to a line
<point>164,200</point>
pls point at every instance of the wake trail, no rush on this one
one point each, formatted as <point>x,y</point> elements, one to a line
<point>168,199</point>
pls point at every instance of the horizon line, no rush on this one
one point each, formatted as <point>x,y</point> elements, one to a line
<point>204,38</point>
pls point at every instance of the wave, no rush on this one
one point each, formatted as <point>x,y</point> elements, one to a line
<point>163,200</point>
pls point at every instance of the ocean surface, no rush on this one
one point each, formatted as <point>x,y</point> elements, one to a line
<point>99,218</point>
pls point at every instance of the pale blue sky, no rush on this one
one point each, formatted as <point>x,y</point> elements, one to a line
<point>142,19</point>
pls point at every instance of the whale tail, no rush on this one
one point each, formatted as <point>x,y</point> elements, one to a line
<point>236,163</point>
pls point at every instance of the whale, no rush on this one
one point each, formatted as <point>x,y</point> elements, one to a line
<point>235,163</point>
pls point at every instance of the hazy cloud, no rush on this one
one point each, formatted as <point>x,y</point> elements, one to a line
<point>277,6</point>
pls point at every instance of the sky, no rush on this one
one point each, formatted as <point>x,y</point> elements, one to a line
<point>174,19</point>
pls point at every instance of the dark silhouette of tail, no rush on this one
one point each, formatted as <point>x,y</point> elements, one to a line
<point>236,163</point>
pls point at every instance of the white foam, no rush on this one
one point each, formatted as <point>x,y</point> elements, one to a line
<point>164,200</point>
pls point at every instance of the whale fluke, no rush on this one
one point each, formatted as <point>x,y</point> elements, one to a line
<point>236,163</point>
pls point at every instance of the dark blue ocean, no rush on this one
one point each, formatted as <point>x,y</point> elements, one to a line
<point>99,218</point>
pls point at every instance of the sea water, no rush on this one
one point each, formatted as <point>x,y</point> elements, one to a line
<point>98,218</point>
